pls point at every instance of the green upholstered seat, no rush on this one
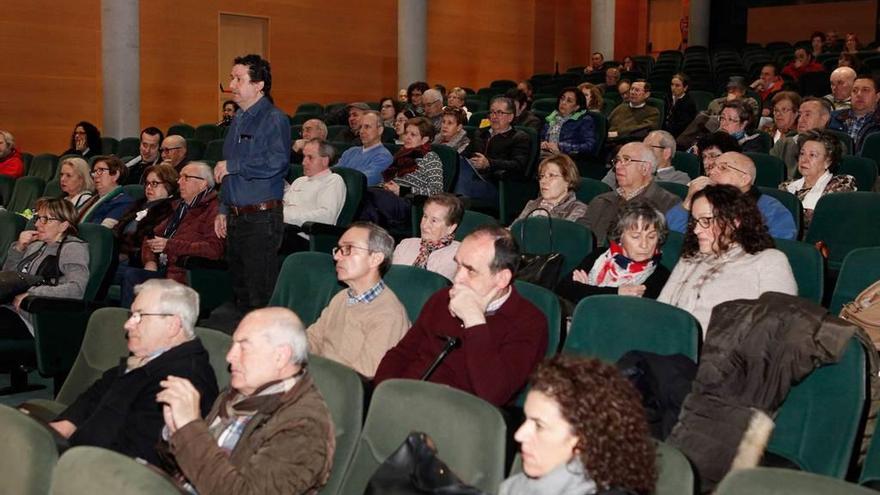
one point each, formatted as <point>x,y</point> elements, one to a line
<point>217,344</point>
<point>214,150</point>
<point>687,163</point>
<point>207,133</point>
<point>28,451</point>
<point>573,240</point>
<point>770,170</point>
<point>845,221</point>
<point>109,145</point>
<point>184,130</point>
<point>860,268</point>
<point>778,481</point>
<point>790,202</point>
<point>679,190</point>
<point>590,188</point>
<point>413,286</point>
<point>90,470</point>
<point>306,284</point>
<point>25,193</point>
<point>863,169</point>
<point>43,166</point>
<point>130,146</point>
<point>808,268</point>
<point>671,250</point>
<point>11,226</point>
<point>449,157</point>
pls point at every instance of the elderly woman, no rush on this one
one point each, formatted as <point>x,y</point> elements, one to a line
<point>569,129</point>
<point>142,217</point>
<point>737,120</point>
<point>456,99</point>
<point>415,170</point>
<point>727,254</point>
<point>388,110</point>
<point>85,141</point>
<point>785,106</point>
<point>558,178</point>
<point>585,432</point>
<point>452,131</point>
<point>630,266</point>
<point>435,249</point>
<point>76,181</point>
<point>51,251</point>
<point>111,201</point>
<point>593,95</point>
<point>820,153</point>
<point>681,107</point>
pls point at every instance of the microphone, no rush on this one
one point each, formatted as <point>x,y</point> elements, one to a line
<point>451,343</point>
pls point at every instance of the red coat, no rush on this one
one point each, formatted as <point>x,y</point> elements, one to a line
<point>12,165</point>
<point>797,72</point>
<point>194,237</point>
<point>494,360</point>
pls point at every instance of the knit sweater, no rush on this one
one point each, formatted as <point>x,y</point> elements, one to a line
<point>625,120</point>
<point>370,161</point>
<point>427,180</point>
<point>359,335</point>
<point>603,209</point>
<point>701,282</point>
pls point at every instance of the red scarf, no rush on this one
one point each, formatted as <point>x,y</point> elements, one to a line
<point>429,247</point>
<point>613,268</point>
<point>405,162</point>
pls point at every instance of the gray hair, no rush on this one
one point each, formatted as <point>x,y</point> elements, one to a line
<point>640,212</point>
<point>204,171</point>
<point>177,299</point>
<point>645,154</point>
<point>176,140</point>
<point>507,101</point>
<point>282,327</point>
<point>82,169</point>
<point>374,114</point>
<point>432,94</point>
<point>666,139</point>
<point>322,127</point>
<point>9,138</point>
<point>379,241</point>
<point>325,149</point>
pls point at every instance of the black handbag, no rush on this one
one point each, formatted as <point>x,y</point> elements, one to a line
<point>415,469</point>
<point>13,283</point>
<point>540,269</point>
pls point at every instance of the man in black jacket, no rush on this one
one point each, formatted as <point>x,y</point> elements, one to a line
<point>119,411</point>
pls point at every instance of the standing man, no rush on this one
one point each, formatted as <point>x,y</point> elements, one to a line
<point>257,151</point>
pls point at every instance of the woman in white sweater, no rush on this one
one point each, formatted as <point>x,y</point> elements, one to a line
<point>727,254</point>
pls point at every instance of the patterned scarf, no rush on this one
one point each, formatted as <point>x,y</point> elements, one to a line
<point>182,208</point>
<point>427,247</point>
<point>405,162</point>
<point>613,268</point>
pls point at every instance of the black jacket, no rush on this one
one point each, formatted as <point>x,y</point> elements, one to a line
<point>529,119</point>
<point>508,152</point>
<point>680,115</point>
<point>119,411</point>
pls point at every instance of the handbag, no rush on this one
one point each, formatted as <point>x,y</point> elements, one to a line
<point>415,469</point>
<point>13,283</point>
<point>540,269</point>
<point>864,311</point>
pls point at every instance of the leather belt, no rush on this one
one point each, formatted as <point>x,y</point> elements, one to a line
<point>264,206</point>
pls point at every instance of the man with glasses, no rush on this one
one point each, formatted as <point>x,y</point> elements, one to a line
<point>634,168</point>
<point>311,129</point>
<point>813,113</point>
<point>119,411</point>
<point>663,145</point>
<point>149,155</point>
<point>737,170</point>
<point>635,117</point>
<point>174,152</point>
<point>432,104</point>
<point>496,151</point>
<point>361,323</point>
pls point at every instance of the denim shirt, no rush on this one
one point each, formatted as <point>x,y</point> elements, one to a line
<point>257,151</point>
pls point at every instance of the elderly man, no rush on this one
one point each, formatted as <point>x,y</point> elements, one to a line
<point>372,158</point>
<point>11,163</point>
<point>311,129</point>
<point>736,90</point>
<point>432,105</point>
<point>356,111</point>
<point>612,78</point>
<point>361,323</point>
<point>842,80</point>
<point>189,231</point>
<point>269,432</point>
<point>318,196</point>
<point>803,62</point>
<point>635,117</point>
<point>173,152</point>
<point>634,168</point>
<point>863,117</point>
<point>663,146</point>
<point>118,411</point>
<point>149,154</point>
<point>768,83</point>
<point>738,170</point>
<point>494,335</point>
<point>814,113</point>
<point>496,151</point>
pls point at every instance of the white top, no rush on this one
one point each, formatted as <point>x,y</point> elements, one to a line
<point>314,199</point>
<point>441,261</point>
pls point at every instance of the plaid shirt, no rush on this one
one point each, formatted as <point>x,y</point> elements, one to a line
<point>367,296</point>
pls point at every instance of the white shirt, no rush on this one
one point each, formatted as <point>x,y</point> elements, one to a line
<point>318,198</point>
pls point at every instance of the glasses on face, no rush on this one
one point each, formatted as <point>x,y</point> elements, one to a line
<point>657,146</point>
<point>499,113</point>
<point>345,249</point>
<point>137,316</point>
<point>782,111</point>
<point>45,219</point>
<point>710,156</point>
<point>625,160</point>
<point>152,183</point>
<point>724,166</point>
<point>704,222</point>
<point>163,150</point>
<point>549,176</point>
<point>191,177</point>
<point>99,171</point>
<point>728,120</point>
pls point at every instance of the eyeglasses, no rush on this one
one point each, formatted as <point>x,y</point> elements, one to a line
<point>625,160</point>
<point>46,219</point>
<point>723,166</point>
<point>710,156</point>
<point>657,146</point>
<point>137,316</point>
<point>153,183</point>
<point>499,113</point>
<point>549,176</point>
<point>188,177</point>
<point>98,171</point>
<point>163,150</point>
<point>782,111</point>
<point>345,249</point>
<point>704,222</point>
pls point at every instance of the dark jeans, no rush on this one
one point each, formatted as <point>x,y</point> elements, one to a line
<point>12,326</point>
<point>386,209</point>
<point>252,243</point>
<point>470,184</point>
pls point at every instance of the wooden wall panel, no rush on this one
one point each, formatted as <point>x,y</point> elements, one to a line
<point>664,17</point>
<point>797,22</point>
<point>630,28</point>
<point>52,71</point>
<point>572,33</point>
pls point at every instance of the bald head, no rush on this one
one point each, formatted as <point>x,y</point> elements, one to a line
<point>173,150</point>
<point>842,80</point>
<point>734,169</point>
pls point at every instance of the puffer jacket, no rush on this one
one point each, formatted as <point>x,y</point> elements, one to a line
<point>577,135</point>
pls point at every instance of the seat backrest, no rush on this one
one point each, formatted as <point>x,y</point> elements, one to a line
<point>589,189</point>
<point>808,267</point>
<point>130,146</point>
<point>779,481</point>
<point>860,268</point>
<point>671,249</point>
<point>548,303</point>
<point>863,169</point>
<point>10,228</point>
<point>310,107</point>
<point>871,147</point>
<point>28,451</point>
<point>355,187</point>
<point>469,433</point>
<point>217,344</point>
<point>770,170</point>
<point>449,157</point>
<point>789,201</point>
<point>25,193</point>
<point>306,284</point>
<point>7,184</point>
<point>687,163</point>
<point>544,104</point>
<point>43,166</point>
<point>343,392</point>
<point>136,191</point>
<point>185,130</point>
<point>101,247</point>
<point>214,150</point>
<point>844,138</point>
<point>109,145</point>
<point>817,425</point>
<point>53,189</point>
<point>413,286</point>
<point>608,326</point>
<point>470,221</point>
<point>477,118</point>
<point>539,235</point>
<point>195,149</point>
<point>660,105</point>
<point>85,470</point>
<point>679,190</point>
<point>103,345</point>
<point>207,133</point>
<point>845,221</point>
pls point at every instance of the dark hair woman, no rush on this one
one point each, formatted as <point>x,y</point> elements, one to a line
<point>85,141</point>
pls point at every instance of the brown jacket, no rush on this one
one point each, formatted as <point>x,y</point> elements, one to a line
<point>287,447</point>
